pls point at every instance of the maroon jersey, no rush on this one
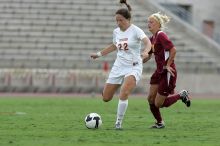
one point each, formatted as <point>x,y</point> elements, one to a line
<point>161,45</point>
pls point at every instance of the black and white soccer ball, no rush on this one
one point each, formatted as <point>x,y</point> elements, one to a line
<point>93,121</point>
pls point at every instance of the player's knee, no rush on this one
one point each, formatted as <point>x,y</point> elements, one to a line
<point>125,94</point>
<point>150,99</point>
<point>106,98</point>
<point>157,105</point>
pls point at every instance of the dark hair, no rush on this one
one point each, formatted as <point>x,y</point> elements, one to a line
<point>125,2</point>
<point>125,12</point>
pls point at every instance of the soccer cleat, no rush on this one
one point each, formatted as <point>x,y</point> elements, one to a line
<point>184,96</point>
<point>159,125</point>
<point>118,126</point>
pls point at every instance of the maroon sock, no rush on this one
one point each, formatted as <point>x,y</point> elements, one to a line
<point>171,100</point>
<point>156,112</point>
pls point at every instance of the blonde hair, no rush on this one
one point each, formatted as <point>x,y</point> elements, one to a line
<point>161,18</point>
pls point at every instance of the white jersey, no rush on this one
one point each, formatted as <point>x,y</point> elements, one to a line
<point>128,61</point>
<point>129,45</point>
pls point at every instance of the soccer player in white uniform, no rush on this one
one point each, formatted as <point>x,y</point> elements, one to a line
<point>127,68</point>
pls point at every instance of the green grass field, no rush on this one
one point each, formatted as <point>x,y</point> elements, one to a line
<point>60,122</point>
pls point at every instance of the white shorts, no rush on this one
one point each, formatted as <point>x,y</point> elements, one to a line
<point>118,73</point>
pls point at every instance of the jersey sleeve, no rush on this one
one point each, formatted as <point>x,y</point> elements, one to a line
<point>114,38</point>
<point>165,41</point>
<point>140,33</point>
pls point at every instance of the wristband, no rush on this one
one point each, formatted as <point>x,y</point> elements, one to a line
<point>99,54</point>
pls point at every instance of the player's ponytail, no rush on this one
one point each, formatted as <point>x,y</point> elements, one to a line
<point>123,11</point>
<point>125,2</point>
<point>165,18</point>
<point>161,18</point>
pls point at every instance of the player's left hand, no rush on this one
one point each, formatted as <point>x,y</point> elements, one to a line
<point>145,57</point>
<point>170,70</point>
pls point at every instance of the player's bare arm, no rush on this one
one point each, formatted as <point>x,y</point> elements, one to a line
<point>104,52</point>
<point>145,54</point>
<point>170,60</point>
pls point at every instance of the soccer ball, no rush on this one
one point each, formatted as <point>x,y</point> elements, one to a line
<point>93,121</point>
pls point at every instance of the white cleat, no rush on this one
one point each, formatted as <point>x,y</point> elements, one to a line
<point>157,125</point>
<point>118,126</point>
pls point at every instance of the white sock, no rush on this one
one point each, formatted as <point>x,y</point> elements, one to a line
<point>122,107</point>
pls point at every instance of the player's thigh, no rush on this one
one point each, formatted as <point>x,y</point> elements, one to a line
<point>128,85</point>
<point>152,93</point>
<point>109,91</point>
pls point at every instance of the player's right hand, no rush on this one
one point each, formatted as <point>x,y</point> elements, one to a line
<point>94,55</point>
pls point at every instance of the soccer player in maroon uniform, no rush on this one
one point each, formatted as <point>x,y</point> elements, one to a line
<point>163,80</point>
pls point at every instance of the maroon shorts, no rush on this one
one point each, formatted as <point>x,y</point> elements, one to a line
<point>166,82</point>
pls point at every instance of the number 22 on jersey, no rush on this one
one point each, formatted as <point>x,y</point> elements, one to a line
<point>123,46</point>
